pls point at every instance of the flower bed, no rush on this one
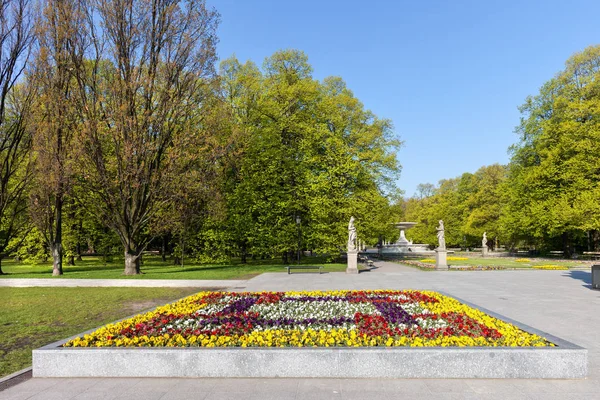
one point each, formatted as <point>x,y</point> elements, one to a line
<point>312,319</point>
<point>551,267</point>
<point>478,268</point>
<point>419,264</point>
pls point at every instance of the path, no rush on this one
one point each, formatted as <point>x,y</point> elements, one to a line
<point>558,302</point>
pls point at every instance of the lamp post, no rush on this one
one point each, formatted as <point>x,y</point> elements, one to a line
<point>299,224</point>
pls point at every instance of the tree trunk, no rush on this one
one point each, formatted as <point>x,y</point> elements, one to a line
<point>1,272</point>
<point>71,260</point>
<point>566,245</point>
<point>57,255</point>
<point>284,258</point>
<point>132,263</point>
<point>79,258</point>
<point>244,254</point>
<point>163,249</point>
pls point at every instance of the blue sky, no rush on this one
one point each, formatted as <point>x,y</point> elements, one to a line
<point>449,74</point>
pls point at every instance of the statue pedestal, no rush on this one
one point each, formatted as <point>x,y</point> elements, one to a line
<point>441,260</point>
<point>352,262</point>
<point>484,251</point>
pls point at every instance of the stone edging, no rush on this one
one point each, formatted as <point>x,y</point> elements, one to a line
<point>567,361</point>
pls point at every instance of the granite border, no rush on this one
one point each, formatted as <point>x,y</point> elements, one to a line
<point>566,361</point>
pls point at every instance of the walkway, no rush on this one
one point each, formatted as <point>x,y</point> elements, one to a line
<point>558,302</point>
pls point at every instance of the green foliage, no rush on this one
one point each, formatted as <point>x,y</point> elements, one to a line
<point>28,323</point>
<point>308,150</point>
<point>29,248</point>
<point>469,206</point>
<point>554,182</point>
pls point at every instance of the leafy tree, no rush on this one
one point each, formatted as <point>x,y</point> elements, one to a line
<point>469,205</point>
<point>138,95</point>
<point>55,120</point>
<point>553,181</point>
<point>309,152</point>
<point>16,39</point>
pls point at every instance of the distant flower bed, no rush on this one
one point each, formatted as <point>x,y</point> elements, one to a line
<point>479,268</point>
<point>312,319</point>
<point>523,260</point>
<point>432,261</point>
<point>551,267</point>
<point>420,264</point>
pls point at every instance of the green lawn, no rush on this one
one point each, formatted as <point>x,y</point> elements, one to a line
<point>510,262</point>
<point>33,317</point>
<point>154,268</point>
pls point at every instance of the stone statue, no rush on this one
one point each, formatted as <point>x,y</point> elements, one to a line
<point>440,236</point>
<point>351,235</point>
<point>484,240</point>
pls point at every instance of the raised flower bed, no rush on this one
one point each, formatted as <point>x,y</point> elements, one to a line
<point>382,333</point>
<point>311,319</point>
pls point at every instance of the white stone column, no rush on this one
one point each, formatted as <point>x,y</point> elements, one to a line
<point>441,260</point>
<point>352,262</point>
<point>484,251</point>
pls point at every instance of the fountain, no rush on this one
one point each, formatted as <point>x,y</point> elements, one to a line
<point>403,246</point>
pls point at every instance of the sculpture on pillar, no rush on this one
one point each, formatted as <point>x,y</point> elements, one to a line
<point>484,240</point>
<point>351,235</point>
<point>440,236</point>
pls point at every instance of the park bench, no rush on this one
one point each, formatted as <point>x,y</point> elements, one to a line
<point>592,254</point>
<point>556,253</point>
<point>366,260</point>
<point>290,267</point>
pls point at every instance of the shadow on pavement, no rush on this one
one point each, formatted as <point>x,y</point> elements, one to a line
<point>583,276</point>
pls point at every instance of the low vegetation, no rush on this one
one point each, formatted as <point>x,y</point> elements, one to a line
<point>155,268</point>
<point>34,317</point>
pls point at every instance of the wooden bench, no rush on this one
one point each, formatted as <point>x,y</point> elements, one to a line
<point>593,254</point>
<point>290,267</point>
<point>366,260</point>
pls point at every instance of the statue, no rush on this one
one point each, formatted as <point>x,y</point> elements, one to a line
<point>484,240</point>
<point>351,235</point>
<point>440,236</point>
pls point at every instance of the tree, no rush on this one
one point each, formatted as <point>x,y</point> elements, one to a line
<point>16,39</point>
<point>469,205</point>
<point>309,151</point>
<point>424,190</point>
<point>139,93</point>
<point>553,180</point>
<point>55,120</point>
<point>486,204</point>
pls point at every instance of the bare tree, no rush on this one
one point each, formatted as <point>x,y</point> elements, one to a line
<point>16,38</point>
<point>151,60</point>
<point>59,43</point>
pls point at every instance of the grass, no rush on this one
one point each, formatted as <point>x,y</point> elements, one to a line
<point>33,317</point>
<point>511,263</point>
<point>154,268</point>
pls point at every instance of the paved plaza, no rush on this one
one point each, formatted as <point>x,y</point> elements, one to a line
<point>561,303</point>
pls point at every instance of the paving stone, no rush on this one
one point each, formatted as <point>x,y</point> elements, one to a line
<point>552,301</point>
<point>184,396</point>
<point>10,394</point>
<point>325,385</point>
<point>234,385</point>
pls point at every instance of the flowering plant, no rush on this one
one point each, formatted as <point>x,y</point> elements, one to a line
<point>312,319</point>
<point>551,267</point>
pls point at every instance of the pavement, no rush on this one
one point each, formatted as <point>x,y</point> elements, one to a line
<point>560,303</point>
